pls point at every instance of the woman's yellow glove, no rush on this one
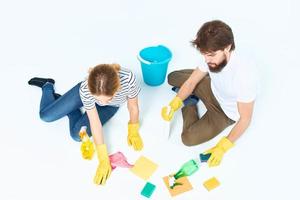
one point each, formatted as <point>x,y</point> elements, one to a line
<point>104,167</point>
<point>167,112</point>
<point>218,151</point>
<point>134,139</point>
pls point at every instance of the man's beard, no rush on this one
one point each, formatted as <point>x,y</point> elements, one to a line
<point>219,67</point>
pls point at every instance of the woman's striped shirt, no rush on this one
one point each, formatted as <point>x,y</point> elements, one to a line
<point>129,89</point>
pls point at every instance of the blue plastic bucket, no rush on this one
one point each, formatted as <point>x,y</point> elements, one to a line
<point>154,62</point>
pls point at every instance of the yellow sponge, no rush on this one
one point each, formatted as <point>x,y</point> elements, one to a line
<point>211,183</point>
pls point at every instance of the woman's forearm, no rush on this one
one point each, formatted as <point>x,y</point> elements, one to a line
<point>97,133</point>
<point>134,116</point>
<point>133,109</point>
<point>96,126</point>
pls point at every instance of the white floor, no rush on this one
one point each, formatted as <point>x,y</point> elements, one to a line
<point>62,39</point>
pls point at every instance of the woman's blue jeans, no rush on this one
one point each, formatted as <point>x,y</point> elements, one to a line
<point>69,104</point>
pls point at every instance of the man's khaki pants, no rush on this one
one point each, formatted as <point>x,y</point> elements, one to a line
<point>199,130</point>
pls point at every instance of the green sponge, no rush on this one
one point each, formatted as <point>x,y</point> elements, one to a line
<point>148,190</point>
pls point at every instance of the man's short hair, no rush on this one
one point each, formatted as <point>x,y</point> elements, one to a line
<point>213,36</point>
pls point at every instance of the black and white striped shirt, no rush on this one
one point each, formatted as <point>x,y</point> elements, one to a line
<point>129,89</point>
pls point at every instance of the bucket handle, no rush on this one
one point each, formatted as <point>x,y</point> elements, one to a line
<point>143,60</point>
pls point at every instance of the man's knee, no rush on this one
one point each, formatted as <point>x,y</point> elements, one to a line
<point>190,139</point>
<point>172,78</point>
<point>177,78</point>
<point>186,140</point>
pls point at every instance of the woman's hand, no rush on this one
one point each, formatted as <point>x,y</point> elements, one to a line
<point>104,167</point>
<point>134,139</point>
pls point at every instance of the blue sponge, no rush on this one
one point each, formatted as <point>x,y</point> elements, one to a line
<point>204,157</point>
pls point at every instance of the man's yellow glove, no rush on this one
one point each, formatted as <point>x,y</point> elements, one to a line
<point>104,167</point>
<point>218,151</point>
<point>134,139</point>
<point>168,113</point>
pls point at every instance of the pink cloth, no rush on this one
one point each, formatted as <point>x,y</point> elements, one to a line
<point>119,160</point>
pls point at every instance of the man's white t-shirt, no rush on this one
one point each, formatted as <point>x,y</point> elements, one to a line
<point>237,82</point>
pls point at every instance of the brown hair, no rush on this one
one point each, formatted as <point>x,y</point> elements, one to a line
<point>213,36</point>
<point>104,79</point>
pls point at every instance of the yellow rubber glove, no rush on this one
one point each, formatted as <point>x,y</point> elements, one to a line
<point>87,146</point>
<point>104,167</point>
<point>218,151</point>
<point>174,105</point>
<point>134,139</point>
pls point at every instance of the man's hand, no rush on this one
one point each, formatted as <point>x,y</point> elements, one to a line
<point>218,151</point>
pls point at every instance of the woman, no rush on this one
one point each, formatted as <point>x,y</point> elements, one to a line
<point>106,88</point>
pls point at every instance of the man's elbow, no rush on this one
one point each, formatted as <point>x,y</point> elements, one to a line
<point>246,120</point>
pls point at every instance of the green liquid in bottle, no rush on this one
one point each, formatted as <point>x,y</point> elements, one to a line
<point>187,169</point>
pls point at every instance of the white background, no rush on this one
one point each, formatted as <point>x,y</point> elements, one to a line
<point>62,39</point>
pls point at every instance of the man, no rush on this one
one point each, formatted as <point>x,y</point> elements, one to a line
<point>226,85</point>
